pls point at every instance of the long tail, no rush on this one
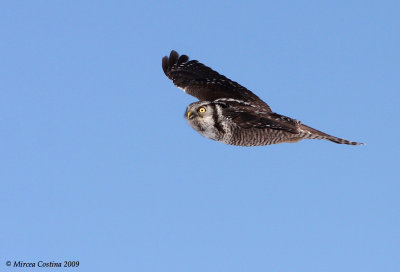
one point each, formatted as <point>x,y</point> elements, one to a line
<point>310,133</point>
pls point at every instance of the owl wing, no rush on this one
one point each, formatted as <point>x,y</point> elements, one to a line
<point>246,117</point>
<point>204,83</point>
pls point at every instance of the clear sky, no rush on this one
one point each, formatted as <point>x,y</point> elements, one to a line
<point>98,165</point>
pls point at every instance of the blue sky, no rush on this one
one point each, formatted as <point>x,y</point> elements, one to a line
<point>97,163</point>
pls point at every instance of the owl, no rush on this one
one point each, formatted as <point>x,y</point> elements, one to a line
<point>229,113</point>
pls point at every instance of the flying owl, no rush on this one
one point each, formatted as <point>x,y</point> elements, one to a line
<point>228,112</point>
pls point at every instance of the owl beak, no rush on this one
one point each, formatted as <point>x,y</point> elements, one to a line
<point>188,114</point>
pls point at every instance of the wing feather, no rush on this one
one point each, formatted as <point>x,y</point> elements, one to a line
<point>246,117</point>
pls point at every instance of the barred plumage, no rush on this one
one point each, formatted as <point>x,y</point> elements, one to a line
<point>230,113</point>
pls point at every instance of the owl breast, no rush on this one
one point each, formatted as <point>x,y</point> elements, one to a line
<point>256,136</point>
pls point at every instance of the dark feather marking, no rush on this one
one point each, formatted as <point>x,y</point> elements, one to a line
<point>216,121</point>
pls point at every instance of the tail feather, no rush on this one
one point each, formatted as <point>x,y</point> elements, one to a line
<point>311,133</point>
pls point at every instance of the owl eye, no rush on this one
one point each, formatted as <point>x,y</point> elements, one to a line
<point>202,110</point>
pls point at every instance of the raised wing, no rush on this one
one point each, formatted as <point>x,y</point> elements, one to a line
<point>204,83</point>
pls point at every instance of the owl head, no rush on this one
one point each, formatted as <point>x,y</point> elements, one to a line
<point>199,111</point>
<point>203,116</point>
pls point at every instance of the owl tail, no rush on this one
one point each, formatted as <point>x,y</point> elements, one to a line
<point>310,133</point>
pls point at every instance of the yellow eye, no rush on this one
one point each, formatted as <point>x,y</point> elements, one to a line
<point>202,110</point>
